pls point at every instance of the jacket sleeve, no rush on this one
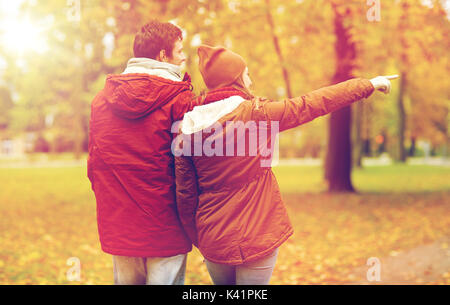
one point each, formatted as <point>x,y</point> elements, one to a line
<point>185,102</point>
<point>297,111</point>
<point>187,195</point>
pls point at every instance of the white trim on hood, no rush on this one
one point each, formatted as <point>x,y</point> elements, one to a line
<point>154,67</point>
<point>205,116</point>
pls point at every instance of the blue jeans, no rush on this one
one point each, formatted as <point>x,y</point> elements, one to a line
<point>149,270</point>
<point>253,273</point>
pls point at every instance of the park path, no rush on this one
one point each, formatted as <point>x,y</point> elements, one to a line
<point>420,265</point>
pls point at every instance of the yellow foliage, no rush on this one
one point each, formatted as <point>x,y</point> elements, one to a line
<point>56,220</point>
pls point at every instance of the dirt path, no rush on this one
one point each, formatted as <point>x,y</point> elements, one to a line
<point>420,265</point>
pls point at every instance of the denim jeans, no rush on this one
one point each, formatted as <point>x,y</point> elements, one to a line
<point>149,270</point>
<point>253,273</point>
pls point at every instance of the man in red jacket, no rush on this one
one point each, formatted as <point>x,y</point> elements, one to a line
<point>130,164</point>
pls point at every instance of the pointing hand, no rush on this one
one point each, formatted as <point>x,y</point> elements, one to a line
<point>382,83</point>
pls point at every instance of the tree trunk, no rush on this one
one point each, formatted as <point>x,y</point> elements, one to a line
<point>79,133</point>
<point>401,153</point>
<point>338,161</point>
<point>382,146</point>
<point>404,65</point>
<point>359,142</point>
<point>79,136</point>
<point>446,153</point>
<point>412,148</point>
<point>80,84</point>
<point>276,44</point>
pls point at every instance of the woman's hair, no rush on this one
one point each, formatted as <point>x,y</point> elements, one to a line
<point>239,84</point>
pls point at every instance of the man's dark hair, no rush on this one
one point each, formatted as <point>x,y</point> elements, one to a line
<point>154,37</point>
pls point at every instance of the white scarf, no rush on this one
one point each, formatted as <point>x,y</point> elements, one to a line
<point>206,115</point>
<point>154,67</point>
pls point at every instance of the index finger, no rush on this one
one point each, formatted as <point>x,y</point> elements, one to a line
<point>392,76</point>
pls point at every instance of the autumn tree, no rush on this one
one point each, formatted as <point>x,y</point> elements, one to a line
<point>339,152</point>
<point>291,47</point>
<point>6,104</point>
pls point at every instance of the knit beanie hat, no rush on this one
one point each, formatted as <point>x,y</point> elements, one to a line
<point>219,67</point>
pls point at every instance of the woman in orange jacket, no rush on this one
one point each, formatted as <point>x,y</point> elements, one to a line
<point>228,198</point>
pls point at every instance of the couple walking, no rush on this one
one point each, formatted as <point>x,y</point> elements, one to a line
<point>153,202</point>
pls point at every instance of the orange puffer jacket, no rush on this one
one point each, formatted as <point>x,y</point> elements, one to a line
<point>228,198</point>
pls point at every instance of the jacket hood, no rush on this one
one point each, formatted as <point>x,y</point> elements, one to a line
<point>205,116</point>
<point>135,95</point>
<point>216,104</point>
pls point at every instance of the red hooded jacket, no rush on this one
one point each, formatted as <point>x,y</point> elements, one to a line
<point>130,164</point>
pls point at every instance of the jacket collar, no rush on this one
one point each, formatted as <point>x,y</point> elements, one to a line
<point>223,93</point>
<point>154,67</point>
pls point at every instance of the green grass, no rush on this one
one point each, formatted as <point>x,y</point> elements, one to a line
<point>379,179</point>
<point>48,215</point>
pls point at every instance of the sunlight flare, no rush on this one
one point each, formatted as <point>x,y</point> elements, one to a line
<point>21,36</point>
